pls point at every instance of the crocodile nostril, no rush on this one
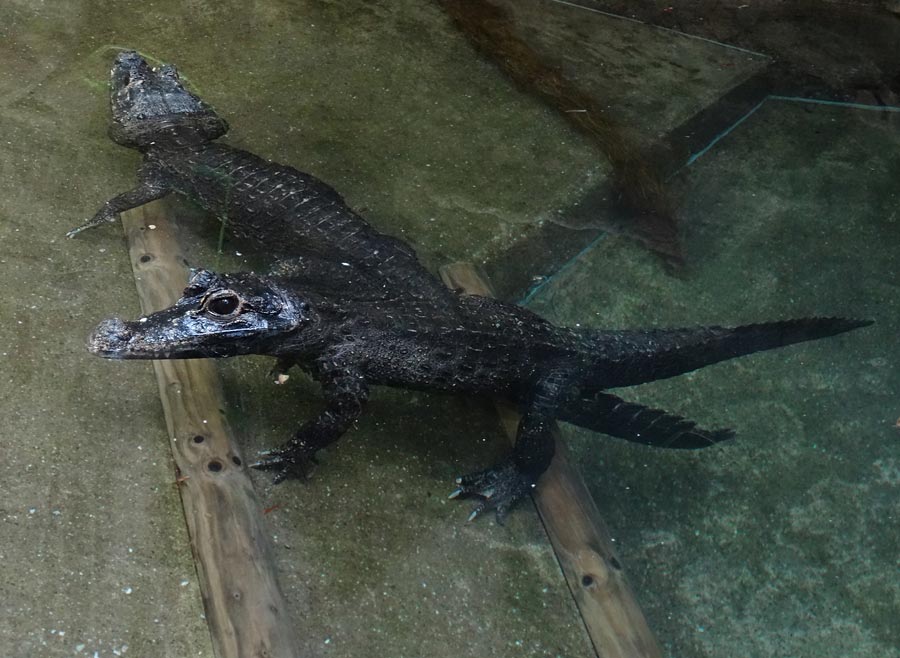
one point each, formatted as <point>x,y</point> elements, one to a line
<point>109,334</point>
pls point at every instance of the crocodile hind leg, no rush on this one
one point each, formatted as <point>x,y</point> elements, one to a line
<point>151,185</point>
<point>500,486</point>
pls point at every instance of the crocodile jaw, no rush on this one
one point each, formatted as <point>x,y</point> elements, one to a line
<point>117,339</point>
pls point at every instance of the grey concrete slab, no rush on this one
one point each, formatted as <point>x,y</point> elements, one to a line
<point>94,558</point>
<point>782,541</point>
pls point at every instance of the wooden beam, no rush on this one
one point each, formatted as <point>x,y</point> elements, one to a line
<point>245,609</point>
<point>583,544</point>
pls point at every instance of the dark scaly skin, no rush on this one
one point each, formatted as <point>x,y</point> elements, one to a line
<point>348,343</point>
<point>286,211</point>
<point>290,212</point>
<point>357,309</point>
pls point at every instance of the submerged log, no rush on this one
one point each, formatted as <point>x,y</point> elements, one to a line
<point>580,538</point>
<point>245,609</point>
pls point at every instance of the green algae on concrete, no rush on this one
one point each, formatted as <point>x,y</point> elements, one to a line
<point>782,541</point>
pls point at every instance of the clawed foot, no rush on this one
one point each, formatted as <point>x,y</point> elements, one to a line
<point>99,219</point>
<point>499,487</point>
<point>286,463</point>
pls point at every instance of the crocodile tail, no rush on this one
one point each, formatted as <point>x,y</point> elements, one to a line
<point>627,358</point>
<point>639,424</point>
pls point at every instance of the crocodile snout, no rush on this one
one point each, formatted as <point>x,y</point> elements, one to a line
<point>109,339</point>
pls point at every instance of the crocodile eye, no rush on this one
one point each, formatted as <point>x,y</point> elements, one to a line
<point>224,305</point>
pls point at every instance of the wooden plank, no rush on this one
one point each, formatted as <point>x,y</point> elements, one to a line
<point>583,544</point>
<point>245,608</point>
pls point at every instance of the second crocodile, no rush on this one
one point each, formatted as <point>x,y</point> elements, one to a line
<point>358,309</point>
<point>282,209</point>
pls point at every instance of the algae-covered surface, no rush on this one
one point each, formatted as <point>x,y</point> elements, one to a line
<point>783,541</point>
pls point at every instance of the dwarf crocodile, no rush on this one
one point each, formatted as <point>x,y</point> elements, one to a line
<point>354,307</point>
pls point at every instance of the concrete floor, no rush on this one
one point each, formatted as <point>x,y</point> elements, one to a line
<point>390,105</point>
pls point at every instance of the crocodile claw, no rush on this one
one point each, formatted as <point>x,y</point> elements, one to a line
<point>498,487</point>
<point>102,217</point>
<point>286,464</point>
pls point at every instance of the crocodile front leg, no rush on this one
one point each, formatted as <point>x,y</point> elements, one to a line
<point>151,185</point>
<point>500,486</point>
<point>345,392</point>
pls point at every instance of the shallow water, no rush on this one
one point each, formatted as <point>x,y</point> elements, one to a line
<point>773,135</point>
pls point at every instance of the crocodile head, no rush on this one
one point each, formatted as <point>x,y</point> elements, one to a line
<point>151,106</point>
<point>217,316</point>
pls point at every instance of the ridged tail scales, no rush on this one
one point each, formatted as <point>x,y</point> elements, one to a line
<point>626,358</point>
<point>639,424</point>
